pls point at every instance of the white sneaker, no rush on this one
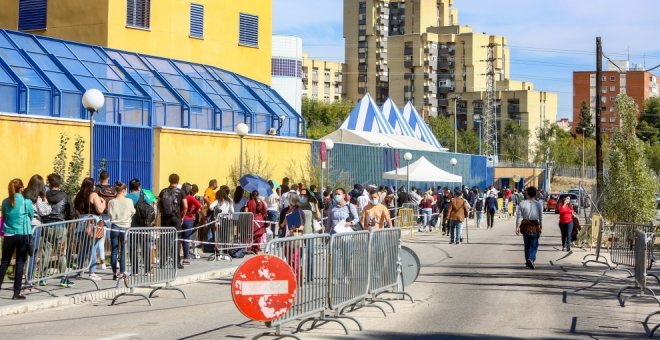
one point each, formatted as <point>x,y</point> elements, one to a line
<point>103,267</point>
<point>420,230</point>
<point>94,277</point>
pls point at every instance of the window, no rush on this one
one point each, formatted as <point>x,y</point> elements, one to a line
<point>283,67</point>
<point>138,13</point>
<point>612,109</point>
<point>197,20</point>
<point>248,30</point>
<point>612,99</point>
<point>612,119</point>
<point>612,88</point>
<point>604,78</point>
<point>612,78</point>
<point>603,89</point>
<point>32,14</point>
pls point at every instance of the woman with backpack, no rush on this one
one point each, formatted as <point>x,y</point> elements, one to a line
<point>479,206</point>
<point>188,220</point>
<point>17,212</point>
<point>89,204</point>
<point>120,211</point>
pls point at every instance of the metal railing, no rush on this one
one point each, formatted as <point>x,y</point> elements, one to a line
<point>623,244</point>
<point>151,259</point>
<point>61,250</point>
<point>232,231</point>
<point>643,243</point>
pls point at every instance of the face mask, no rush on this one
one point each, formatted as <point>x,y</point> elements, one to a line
<point>374,201</point>
<point>338,198</point>
<point>303,200</point>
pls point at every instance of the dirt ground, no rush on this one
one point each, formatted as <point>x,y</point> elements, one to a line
<point>564,183</point>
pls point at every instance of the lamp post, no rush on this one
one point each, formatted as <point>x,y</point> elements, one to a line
<point>242,130</point>
<point>477,119</point>
<point>93,100</point>
<point>407,156</point>
<point>329,144</point>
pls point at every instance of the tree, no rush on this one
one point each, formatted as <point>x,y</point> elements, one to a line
<point>255,164</point>
<point>442,128</point>
<point>630,186</point>
<point>649,122</point>
<point>514,143</point>
<point>586,123</point>
<point>323,118</point>
<point>653,157</point>
<point>72,177</point>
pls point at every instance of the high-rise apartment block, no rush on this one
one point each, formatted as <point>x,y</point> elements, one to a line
<point>322,80</point>
<point>619,77</point>
<point>415,50</point>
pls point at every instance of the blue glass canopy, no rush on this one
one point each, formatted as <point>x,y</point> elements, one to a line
<point>46,76</point>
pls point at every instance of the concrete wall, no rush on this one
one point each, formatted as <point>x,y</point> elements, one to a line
<point>29,146</point>
<point>532,176</point>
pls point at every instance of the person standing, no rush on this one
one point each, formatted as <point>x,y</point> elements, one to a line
<point>566,215</point>
<point>491,209</point>
<point>285,185</point>
<point>193,207</point>
<point>88,203</point>
<point>36,192</point>
<point>426,206</point>
<point>443,208</point>
<point>273,207</point>
<point>135,193</point>
<point>107,193</point>
<point>17,214</point>
<point>341,211</point>
<point>209,193</point>
<point>61,210</point>
<point>479,207</point>
<point>529,223</point>
<point>121,211</point>
<point>172,205</point>
<point>375,215</point>
<point>458,211</point>
<point>257,207</point>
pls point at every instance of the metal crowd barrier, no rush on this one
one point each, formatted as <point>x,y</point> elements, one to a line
<point>405,219</point>
<point>151,259</point>
<point>643,242</point>
<point>309,257</point>
<point>623,244</point>
<point>232,231</point>
<point>61,250</point>
<point>385,264</point>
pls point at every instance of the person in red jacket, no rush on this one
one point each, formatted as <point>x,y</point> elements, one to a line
<point>258,209</point>
<point>192,208</point>
<point>566,215</point>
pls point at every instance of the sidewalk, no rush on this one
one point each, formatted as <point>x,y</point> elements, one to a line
<point>85,291</point>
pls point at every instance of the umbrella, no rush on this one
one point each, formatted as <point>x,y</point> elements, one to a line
<point>251,183</point>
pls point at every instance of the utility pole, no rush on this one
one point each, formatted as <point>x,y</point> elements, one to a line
<point>489,119</point>
<point>599,142</point>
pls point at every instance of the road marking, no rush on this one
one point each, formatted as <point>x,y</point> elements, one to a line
<point>274,287</point>
<point>120,336</point>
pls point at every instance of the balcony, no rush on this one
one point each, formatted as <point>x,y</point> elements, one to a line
<point>408,51</point>
<point>363,67</point>
<point>443,102</point>
<point>408,63</point>
<point>409,76</point>
<point>338,78</point>
<point>409,88</point>
<point>381,55</point>
<point>445,64</point>
<point>383,78</point>
<point>446,89</point>
<point>446,76</point>
<point>513,109</point>
<point>429,89</point>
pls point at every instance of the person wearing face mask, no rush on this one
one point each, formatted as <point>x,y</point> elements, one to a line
<point>566,214</point>
<point>375,215</point>
<point>341,211</point>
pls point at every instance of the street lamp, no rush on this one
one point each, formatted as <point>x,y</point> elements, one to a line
<point>92,100</point>
<point>477,119</point>
<point>242,130</point>
<point>407,156</point>
<point>329,144</point>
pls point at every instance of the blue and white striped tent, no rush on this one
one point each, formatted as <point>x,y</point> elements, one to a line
<point>419,127</point>
<point>367,117</point>
<point>394,117</point>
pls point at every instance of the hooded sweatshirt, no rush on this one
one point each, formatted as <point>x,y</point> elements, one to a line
<point>62,207</point>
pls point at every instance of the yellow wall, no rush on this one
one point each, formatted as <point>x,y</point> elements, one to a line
<point>170,29</point>
<point>198,156</point>
<point>531,175</point>
<point>9,14</point>
<point>29,146</point>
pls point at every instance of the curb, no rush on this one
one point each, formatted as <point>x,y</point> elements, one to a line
<point>48,303</point>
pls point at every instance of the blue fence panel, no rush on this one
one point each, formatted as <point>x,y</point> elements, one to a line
<point>107,147</point>
<point>366,164</point>
<point>137,155</point>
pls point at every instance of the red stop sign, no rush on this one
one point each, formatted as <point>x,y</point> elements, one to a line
<point>264,288</point>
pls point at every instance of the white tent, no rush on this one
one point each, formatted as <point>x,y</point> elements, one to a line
<point>379,139</point>
<point>423,171</point>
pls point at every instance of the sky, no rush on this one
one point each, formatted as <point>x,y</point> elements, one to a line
<point>548,39</point>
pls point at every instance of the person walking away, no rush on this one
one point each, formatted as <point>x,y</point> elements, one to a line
<point>239,199</point>
<point>272,207</point>
<point>172,205</point>
<point>36,192</point>
<point>135,195</point>
<point>458,211</point>
<point>17,214</point>
<point>87,204</point>
<point>443,208</point>
<point>223,209</point>
<point>375,215</point>
<point>188,225</point>
<point>479,207</point>
<point>121,211</point>
<point>108,193</point>
<point>426,207</point>
<point>258,209</point>
<point>491,209</point>
<point>285,185</point>
<point>515,200</point>
<point>402,197</point>
<point>61,210</point>
<point>566,215</point>
<point>529,223</point>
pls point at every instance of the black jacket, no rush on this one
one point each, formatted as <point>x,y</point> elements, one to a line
<point>62,207</point>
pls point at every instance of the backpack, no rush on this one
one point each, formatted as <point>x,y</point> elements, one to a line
<point>479,206</point>
<point>145,214</point>
<point>236,253</point>
<point>108,192</point>
<point>169,202</point>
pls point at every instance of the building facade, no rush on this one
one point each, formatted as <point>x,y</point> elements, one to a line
<point>322,80</point>
<point>287,69</point>
<point>633,81</point>
<point>208,32</point>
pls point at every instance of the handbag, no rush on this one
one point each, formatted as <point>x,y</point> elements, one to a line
<point>576,229</point>
<point>316,224</point>
<point>96,227</point>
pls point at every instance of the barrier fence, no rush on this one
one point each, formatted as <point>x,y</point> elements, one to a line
<point>232,231</point>
<point>61,250</point>
<point>643,244</point>
<point>623,243</point>
<point>151,259</point>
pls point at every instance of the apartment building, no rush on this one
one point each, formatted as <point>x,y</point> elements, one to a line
<point>287,69</point>
<point>322,79</point>
<point>620,78</point>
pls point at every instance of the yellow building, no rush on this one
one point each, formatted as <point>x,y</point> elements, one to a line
<point>322,80</point>
<point>234,35</point>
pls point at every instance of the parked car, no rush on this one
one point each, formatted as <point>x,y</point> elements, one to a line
<point>584,202</point>
<point>550,203</point>
<point>574,201</point>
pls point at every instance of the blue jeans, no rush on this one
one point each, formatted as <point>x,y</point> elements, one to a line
<point>566,231</point>
<point>426,214</point>
<point>187,227</point>
<point>480,218</point>
<point>117,239</point>
<point>272,216</point>
<point>31,261</point>
<point>531,246</point>
<point>455,231</point>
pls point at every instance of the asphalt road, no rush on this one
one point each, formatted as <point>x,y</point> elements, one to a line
<point>475,290</point>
